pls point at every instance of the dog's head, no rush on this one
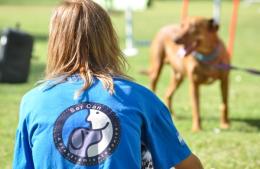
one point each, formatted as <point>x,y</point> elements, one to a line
<point>196,33</point>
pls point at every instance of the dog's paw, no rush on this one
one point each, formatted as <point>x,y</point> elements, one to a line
<point>196,129</point>
<point>224,125</point>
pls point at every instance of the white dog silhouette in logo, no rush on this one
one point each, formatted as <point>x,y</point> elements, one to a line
<point>90,142</point>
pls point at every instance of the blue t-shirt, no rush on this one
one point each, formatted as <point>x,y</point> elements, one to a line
<point>96,130</point>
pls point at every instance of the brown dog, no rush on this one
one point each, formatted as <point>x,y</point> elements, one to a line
<point>195,50</point>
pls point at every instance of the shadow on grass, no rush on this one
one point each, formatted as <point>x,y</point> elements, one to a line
<point>249,121</point>
<point>40,37</point>
<point>36,72</point>
<point>238,124</point>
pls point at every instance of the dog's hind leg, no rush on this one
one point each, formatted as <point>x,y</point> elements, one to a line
<point>175,82</point>
<point>154,76</point>
<point>158,56</point>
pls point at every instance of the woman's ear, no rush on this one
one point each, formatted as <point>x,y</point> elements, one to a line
<point>213,25</point>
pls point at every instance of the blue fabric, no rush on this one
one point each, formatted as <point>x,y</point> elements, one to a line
<point>96,130</point>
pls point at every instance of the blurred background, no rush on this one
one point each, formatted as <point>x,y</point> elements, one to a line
<point>235,148</point>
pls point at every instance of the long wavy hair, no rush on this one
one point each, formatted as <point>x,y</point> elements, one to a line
<point>82,40</point>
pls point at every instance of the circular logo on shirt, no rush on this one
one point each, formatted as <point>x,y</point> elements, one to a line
<point>87,133</point>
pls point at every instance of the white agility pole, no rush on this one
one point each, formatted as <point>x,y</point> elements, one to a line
<point>216,11</point>
<point>130,50</point>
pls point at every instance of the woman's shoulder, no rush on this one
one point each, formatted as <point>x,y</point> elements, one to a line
<point>131,84</point>
<point>134,89</point>
<point>34,92</point>
<point>29,101</point>
<point>42,87</point>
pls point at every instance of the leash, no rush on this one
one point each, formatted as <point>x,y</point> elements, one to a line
<point>212,56</point>
<point>232,67</point>
<point>206,59</point>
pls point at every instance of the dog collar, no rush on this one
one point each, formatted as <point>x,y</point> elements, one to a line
<point>207,58</point>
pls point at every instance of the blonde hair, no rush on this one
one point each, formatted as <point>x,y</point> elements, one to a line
<point>82,40</point>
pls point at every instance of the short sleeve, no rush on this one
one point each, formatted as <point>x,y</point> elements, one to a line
<point>22,151</point>
<point>163,140</point>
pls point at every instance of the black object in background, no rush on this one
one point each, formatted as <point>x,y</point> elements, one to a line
<point>15,55</point>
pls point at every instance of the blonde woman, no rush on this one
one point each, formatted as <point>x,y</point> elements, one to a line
<point>87,113</point>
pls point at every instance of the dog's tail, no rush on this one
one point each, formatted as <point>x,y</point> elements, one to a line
<point>145,72</point>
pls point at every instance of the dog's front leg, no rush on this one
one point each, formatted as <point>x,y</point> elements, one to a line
<point>224,122</point>
<point>194,94</point>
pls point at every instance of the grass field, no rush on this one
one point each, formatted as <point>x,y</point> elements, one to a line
<point>236,148</point>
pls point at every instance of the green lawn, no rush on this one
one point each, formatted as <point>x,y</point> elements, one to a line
<point>236,148</point>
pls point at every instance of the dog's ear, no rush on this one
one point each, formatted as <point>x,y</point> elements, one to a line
<point>213,25</point>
